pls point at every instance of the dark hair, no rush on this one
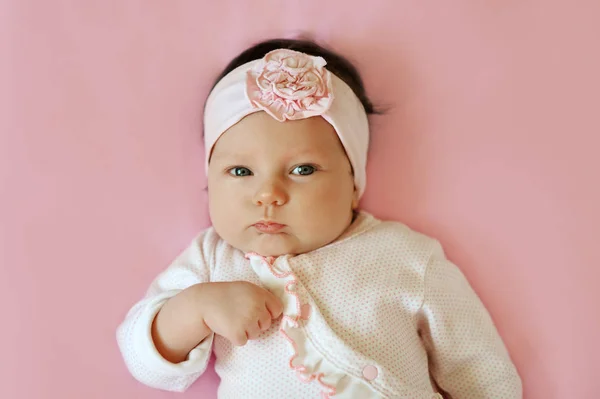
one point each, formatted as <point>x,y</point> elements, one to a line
<point>336,64</point>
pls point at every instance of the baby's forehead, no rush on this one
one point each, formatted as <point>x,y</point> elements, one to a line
<point>282,153</point>
<point>259,130</point>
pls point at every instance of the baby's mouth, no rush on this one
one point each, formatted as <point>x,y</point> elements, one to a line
<point>268,227</point>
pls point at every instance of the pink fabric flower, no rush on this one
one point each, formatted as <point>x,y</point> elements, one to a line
<point>290,85</point>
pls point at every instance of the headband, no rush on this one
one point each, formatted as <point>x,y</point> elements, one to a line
<point>290,85</point>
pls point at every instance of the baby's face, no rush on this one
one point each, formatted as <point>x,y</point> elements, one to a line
<point>280,188</point>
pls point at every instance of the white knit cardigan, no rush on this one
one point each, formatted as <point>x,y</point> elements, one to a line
<point>379,313</point>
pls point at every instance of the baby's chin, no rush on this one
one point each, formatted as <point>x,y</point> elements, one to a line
<point>274,250</point>
<point>275,245</point>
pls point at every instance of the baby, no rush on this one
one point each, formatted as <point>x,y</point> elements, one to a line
<point>298,292</point>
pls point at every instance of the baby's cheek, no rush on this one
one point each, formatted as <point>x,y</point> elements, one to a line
<point>224,210</point>
<point>323,210</point>
<point>335,203</point>
<point>335,195</point>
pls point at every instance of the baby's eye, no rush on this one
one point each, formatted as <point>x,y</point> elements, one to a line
<point>240,171</point>
<point>304,170</point>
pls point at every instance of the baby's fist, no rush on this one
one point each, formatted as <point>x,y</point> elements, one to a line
<point>240,311</point>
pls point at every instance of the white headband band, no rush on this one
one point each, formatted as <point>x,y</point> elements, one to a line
<point>290,85</point>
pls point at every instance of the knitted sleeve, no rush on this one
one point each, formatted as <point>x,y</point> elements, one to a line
<point>468,359</point>
<point>134,336</point>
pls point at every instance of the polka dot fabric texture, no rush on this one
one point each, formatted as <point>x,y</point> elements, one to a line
<point>380,309</point>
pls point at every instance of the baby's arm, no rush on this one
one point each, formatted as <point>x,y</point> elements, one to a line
<point>166,338</point>
<point>185,334</point>
<point>179,325</point>
<point>468,358</point>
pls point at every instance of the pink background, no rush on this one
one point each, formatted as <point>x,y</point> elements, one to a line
<point>491,145</point>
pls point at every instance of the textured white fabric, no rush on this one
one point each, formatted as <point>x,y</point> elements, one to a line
<point>279,279</point>
<point>381,295</point>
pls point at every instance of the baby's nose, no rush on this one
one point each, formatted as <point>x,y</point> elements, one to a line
<point>270,193</point>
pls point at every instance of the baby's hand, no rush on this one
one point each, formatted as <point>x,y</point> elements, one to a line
<point>240,310</point>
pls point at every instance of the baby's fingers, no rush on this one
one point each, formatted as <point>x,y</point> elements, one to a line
<point>274,305</point>
<point>264,322</point>
<point>239,339</point>
<point>252,332</point>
